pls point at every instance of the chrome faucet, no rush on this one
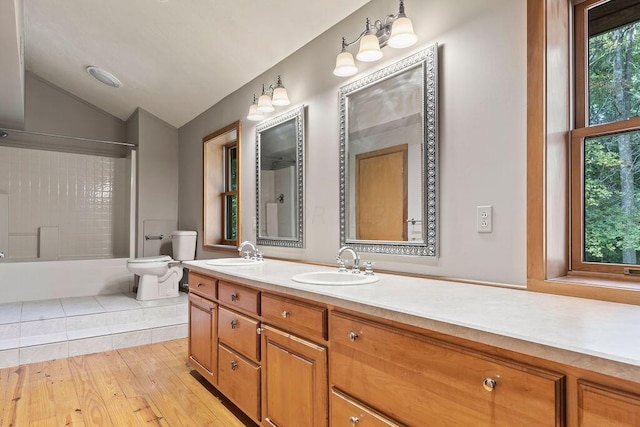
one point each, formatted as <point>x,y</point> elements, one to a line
<point>356,259</point>
<point>247,254</point>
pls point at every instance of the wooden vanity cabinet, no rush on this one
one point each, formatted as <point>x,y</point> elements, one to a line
<point>203,338</point>
<point>600,406</point>
<point>420,381</point>
<point>294,365</point>
<point>294,380</point>
<point>239,370</point>
<point>347,412</point>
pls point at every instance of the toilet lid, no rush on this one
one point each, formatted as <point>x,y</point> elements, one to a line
<point>162,258</point>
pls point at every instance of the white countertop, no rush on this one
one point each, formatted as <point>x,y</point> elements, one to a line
<point>594,335</point>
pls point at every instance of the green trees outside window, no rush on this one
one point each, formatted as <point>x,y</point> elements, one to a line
<point>612,162</point>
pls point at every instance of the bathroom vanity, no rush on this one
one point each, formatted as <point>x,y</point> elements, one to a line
<point>410,351</point>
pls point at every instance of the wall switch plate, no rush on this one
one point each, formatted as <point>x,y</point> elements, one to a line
<point>484,219</point>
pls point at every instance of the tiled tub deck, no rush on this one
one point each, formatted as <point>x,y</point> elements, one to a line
<point>35,331</point>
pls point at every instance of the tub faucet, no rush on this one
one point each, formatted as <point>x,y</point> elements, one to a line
<point>248,254</point>
<point>356,258</point>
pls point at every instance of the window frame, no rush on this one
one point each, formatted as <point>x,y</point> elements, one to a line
<point>215,180</point>
<point>579,134</point>
<point>550,104</point>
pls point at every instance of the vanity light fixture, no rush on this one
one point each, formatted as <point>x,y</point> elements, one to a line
<point>274,95</point>
<point>395,31</point>
<point>254,114</point>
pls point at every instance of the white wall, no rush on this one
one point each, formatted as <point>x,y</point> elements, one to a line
<point>482,117</point>
<point>157,181</point>
<point>49,109</point>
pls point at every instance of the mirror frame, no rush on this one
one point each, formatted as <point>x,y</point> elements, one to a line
<point>296,114</point>
<point>427,59</point>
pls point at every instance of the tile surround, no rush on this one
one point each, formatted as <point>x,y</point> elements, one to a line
<point>80,194</point>
<point>36,331</point>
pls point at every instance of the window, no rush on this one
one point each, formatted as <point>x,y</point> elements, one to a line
<point>221,188</point>
<point>230,195</point>
<point>605,144</point>
<point>551,107</point>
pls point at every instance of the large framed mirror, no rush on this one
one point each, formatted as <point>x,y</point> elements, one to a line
<point>389,158</point>
<point>280,180</point>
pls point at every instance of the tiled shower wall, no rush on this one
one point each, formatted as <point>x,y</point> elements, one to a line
<point>84,196</point>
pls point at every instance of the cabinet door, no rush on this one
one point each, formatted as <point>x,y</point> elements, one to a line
<point>294,381</point>
<point>605,407</point>
<point>203,336</point>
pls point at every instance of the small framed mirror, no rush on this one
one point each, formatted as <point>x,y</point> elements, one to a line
<point>280,180</point>
<point>389,158</point>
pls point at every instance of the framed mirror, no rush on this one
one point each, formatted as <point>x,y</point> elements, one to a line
<point>389,158</point>
<point>280,180</point>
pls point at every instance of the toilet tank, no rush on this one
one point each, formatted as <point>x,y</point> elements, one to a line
<point>184,245</point>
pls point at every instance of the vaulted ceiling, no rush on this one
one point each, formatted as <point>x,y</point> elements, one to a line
<point>175,58</point>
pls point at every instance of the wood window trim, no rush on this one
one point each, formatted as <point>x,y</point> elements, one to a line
<point>222,245</point>
<point>549,108</point>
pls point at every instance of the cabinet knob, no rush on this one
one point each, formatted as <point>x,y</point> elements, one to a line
<point>489,384</point>
<point>234,297</point>
<point>285,314</point>
<point>199,284</point>
<point>234,365</point>
<point>353,336</point>
<point>354,421</point>
<point>234,324</point>
<point>211,308</point>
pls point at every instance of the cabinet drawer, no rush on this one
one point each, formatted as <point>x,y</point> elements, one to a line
<point>239,297</point>
<point>346,412</point>
<point>239,380</point>
<point>202,285</point>
<point>437,381</point>
<point>239,332</point>
<point>305,319</point>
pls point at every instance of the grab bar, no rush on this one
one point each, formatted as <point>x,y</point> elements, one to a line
<point>156,237</point>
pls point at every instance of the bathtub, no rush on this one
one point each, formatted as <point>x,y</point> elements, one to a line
<point>37,280</point>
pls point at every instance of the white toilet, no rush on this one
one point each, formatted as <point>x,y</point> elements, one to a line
<point>157,279</point>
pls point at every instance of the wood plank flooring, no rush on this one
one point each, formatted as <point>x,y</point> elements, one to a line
<point>138,386</point>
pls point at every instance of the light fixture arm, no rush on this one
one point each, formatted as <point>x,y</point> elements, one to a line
<point>382,29</point>
<point>268,90</point>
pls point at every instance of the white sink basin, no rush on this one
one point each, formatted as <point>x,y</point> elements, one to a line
<point>334,278</point>
<point>222,262</point>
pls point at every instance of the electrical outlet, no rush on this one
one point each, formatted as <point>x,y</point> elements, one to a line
<point>484,219</point>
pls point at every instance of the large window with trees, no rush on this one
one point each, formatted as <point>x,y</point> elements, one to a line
<point>605,144</point>
<point>221,188</point>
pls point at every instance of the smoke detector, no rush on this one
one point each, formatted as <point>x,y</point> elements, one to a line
<point>104,76</point>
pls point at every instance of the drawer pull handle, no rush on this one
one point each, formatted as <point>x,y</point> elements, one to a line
<point>234,365</point>
<point>234,324</point>
<point>354,420</point>
<point>489,384</point>
<point>211,308</point>
<point>234,297</point>
<point>353,336</point>
<point>200,284</point>
<point>285,314</point>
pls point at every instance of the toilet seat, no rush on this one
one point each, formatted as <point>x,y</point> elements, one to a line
<point>149,259</point>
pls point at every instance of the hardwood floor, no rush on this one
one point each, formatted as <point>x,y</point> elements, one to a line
<point>147,385</point>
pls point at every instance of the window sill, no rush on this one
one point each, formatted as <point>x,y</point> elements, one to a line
<point>220,248</point>
<point>605,287</point>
